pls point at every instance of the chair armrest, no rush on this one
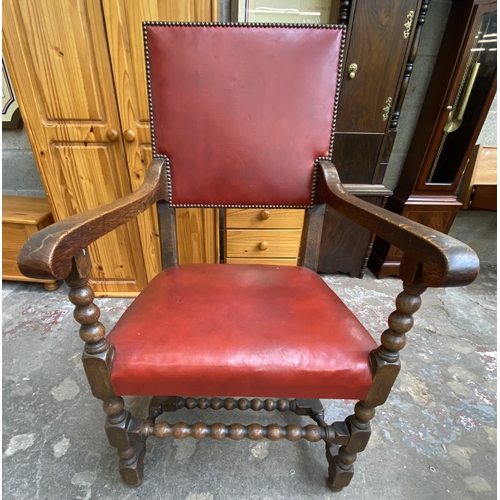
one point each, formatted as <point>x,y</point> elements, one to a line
<point>445,261</point>
<point>49,252</point>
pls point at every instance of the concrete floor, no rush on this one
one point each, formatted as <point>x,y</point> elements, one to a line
<point>434,438</point>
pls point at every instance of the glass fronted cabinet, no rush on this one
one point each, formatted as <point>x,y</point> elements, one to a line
<point>468,104</point>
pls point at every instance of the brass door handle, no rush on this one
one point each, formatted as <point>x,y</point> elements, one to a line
<point>112,134</point>
<point>454,122</point>
<point>387,109</point>
<point>129,135</point>
<point>352,70</point>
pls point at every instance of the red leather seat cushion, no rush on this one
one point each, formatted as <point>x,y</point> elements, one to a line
<point>240,330</point>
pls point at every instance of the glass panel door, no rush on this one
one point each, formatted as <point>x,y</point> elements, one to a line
<point>468,104</point>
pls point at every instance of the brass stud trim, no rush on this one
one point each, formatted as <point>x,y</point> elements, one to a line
<point>342,27</point>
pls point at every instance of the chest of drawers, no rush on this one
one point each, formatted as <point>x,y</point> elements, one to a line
<point>263,236</point>
<point>22,217</point>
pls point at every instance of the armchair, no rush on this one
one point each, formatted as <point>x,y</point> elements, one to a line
<point>242,116</point>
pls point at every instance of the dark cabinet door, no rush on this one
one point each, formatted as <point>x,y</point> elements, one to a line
<point>378,42</point>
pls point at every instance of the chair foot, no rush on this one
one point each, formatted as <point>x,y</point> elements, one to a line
<point>132,464</point>
<point>340,469</point>
<point>120,427</point>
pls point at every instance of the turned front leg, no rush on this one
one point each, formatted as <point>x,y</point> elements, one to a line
<point>341,469</point>
<point>385,367</point>
<point>97,358</point>
<point>131,454</point>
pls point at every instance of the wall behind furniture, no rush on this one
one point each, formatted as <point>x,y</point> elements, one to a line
<point>19,172</point>
<point>20,175</point>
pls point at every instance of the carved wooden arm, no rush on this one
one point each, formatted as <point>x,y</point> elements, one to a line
<point>445,261</point>
<point>49,253</point>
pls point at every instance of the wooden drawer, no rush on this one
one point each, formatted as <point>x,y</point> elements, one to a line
<point>247,243</point>
<point>13,237</point>
<point>256,218</point>
<point>21,218</point>
<point>269,262</point>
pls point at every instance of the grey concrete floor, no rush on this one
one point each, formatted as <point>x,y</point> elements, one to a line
<point>434,438</point>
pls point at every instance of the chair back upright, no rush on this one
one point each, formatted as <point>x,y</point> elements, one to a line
<point>242,112</point>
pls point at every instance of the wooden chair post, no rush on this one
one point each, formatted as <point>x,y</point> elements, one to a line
<point>385,366</point>
<point>97,358</point>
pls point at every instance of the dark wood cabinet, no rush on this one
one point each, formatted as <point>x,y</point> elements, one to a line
<point>459,96</point>
<point>376,43</point>
<point>382,42</point>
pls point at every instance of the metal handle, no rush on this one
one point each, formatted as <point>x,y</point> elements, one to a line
<point>352,70</point>
<point>454,122</point>
<point>129,135</point>
<point>112,134</point>
<point>408,24</point>
<point>387,109</point>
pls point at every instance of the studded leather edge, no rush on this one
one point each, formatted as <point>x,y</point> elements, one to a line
<point>342,27</point>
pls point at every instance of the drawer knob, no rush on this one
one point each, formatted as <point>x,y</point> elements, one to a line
<point>263,245</point>
<point>264,215</point>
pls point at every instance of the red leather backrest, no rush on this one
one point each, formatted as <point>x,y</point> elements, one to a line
<point>242,111</point>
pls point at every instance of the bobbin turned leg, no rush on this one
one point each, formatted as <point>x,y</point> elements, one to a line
<point>341,469</point>
<point>97,358</point>
<point>385,367</point>
<point>131,454</point>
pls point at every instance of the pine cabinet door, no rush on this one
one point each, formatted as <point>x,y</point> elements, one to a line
<point>58,58</point>
<point>125,40</point>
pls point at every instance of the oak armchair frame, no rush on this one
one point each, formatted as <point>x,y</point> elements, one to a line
<point>431,259</point>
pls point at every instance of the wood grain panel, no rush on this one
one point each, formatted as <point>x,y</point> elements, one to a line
<point>433,217</point>
<point>481,169</point>
<point>47,83</point>
<point>57,56</point>
<point>340,234</point>
<point>97,185</point>
<point>67,49</point>
<point>13,238</point>
<point>197,235</point>
<point>484,197</point>
<point>439,217</point>
<point>126,47</point>
<point>25,209</point>
<point>21,218</point>
<point>267,262</point>
<point>378,48</point>
<point>280,243</point>
<point>251,218</point>
<point>355,156</point>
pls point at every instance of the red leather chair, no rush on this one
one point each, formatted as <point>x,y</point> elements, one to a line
<point>242,116</point>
